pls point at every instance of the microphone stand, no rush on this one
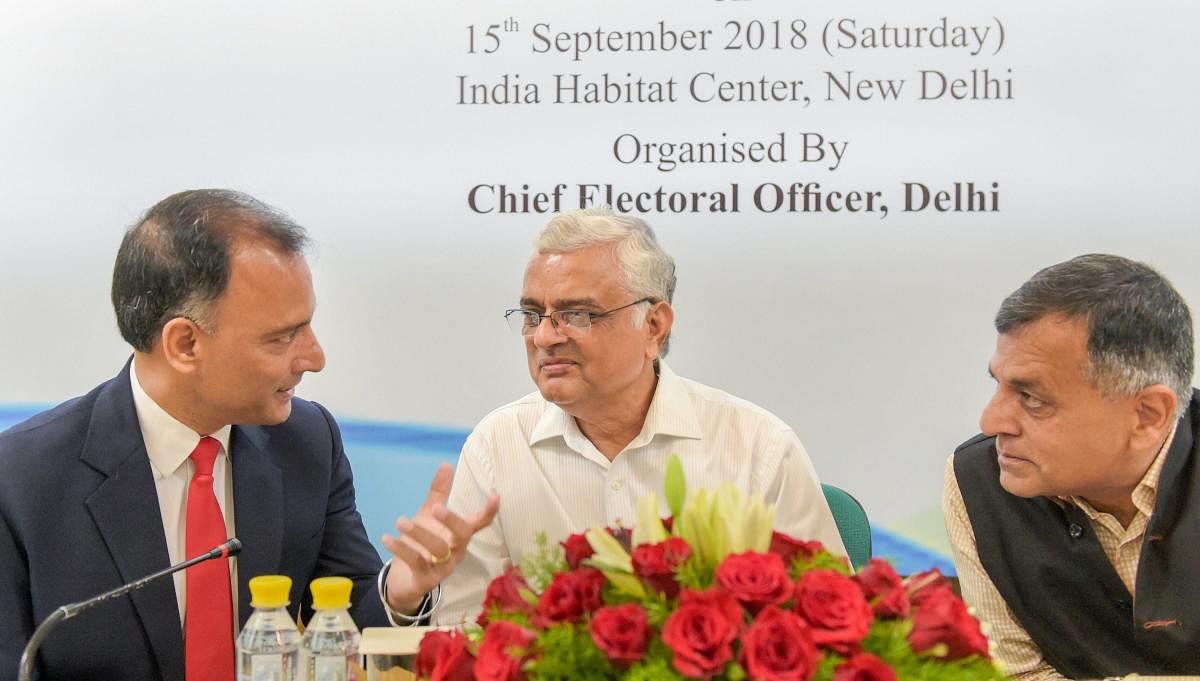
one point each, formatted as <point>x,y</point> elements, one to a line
<point>66,612</point>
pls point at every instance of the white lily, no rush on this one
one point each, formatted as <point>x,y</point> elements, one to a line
<point>616,564</point>
<point>718,524</point>
<point>649,528</point>
<point>609,554</point>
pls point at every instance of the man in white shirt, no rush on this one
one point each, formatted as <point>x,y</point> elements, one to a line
<point>596,314</point>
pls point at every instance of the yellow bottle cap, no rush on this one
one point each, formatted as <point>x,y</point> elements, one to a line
<point>270,591</point>
<point>331,592</point>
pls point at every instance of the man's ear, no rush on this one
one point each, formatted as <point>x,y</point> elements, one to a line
<point>1155,410</point>
<point>658,327</point>
<point>180,341</point>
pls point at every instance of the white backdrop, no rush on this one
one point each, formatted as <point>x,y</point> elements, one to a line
<point>869,334</point>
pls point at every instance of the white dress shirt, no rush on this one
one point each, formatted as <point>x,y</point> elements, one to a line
<point>552,479</point>
<point>169,444</point>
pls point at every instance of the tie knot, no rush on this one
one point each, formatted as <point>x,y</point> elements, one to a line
<point>205,454</point>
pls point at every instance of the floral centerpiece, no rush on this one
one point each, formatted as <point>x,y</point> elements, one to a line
<point>712,592</point>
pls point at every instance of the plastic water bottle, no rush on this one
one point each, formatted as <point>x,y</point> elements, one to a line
<point>329,650</point>
<point>268,649</point>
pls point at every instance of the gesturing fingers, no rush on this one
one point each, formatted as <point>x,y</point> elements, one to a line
<point>433,540</point>
<point>411,576</point>
<point>439,489</point>
<point>462,528</point>
<point>487,514</point>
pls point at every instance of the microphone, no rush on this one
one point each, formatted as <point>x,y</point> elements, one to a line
<point>230,548</point>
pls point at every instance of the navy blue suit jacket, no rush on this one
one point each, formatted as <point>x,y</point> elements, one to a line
<point>79,515</point>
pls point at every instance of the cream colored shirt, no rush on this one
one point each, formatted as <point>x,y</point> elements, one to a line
<point>552,479</point>
<point>169,444</point>
<point>1012,645</point>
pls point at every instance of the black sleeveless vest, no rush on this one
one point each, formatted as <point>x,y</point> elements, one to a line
<point>1047,563</point>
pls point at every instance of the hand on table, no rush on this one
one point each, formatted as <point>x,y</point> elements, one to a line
<point>431,544</point>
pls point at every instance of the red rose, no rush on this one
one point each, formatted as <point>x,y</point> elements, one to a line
<point>892,605</point>
<point>701,632</point>
<point>942,617</point>
<point>443,656</point>
<point>883,589</point>
<point>569,597</point>
<point>788,548</point>
<point>576,548</point>
<point>923,583</point>
<point>505,649</point>
<point>722,601</point>
<point>864,667</point>
<point>656,564</point>
<point>506,593</point>
<point>755,579</point>
<point>835,608</point>
<point>779,646</point>
<point>622,632</point>
<point>877,577</point>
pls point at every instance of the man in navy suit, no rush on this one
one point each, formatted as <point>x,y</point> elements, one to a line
<point>212,290</point>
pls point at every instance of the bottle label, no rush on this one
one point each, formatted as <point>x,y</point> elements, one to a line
<point>266,667</point>
<point>330,668</point>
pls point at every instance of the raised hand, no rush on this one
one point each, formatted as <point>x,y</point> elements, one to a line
<point>430,545</point>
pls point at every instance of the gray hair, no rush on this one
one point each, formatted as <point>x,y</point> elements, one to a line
<point>1139,328</point>
<point>647,270</point>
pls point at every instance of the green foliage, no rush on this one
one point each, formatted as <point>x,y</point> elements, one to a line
<point>475,634</point>
<point>825,668</point>
<point>821,561</point>
<point>658,609</point>
<point>888,640</point>
<point>932,669</point>
<point>695,573</point>
<point>518,618</point>
<point>626,585</point>
<point>658,649</point>
<point>568,653</point>
<point>538,567</point>
<point>655,669</point>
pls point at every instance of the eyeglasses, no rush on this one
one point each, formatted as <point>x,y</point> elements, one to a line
<point>525,322</point>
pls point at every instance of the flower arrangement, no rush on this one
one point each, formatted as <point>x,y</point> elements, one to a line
<point>712,592</point>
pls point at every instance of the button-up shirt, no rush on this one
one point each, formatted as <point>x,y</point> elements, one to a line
<point>552,479</point>
<point>169,445</point>
<point>1122,545</point>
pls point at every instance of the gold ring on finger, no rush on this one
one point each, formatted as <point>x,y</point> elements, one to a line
<point>438,560</point>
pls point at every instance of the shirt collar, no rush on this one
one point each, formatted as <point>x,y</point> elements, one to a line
<point>670,414</point>
<point>169,443</point>
<point>1146,492</point>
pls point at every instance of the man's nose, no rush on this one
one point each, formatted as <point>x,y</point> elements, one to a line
<point>997,417</point>
<point>312,356</point>
<point>547,333</point>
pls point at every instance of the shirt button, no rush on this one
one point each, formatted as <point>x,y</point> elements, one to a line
<point>616,485</point>
<point>1075,530</point>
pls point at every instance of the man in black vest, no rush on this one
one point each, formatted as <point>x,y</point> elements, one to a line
<point>1075,516</point>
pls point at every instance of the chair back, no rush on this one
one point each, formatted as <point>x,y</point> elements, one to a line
<point>852,523</point>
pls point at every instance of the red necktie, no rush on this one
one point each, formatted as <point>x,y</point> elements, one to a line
<point>208,615</point>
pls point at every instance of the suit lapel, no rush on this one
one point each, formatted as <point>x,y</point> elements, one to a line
<point>258,509</point>
<point>126,512</point>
